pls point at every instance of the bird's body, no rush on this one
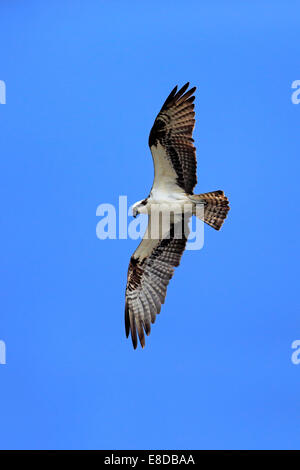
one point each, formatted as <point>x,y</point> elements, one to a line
<point>169,206</point>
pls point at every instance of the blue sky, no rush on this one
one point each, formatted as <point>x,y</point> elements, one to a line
<point>84,81</point>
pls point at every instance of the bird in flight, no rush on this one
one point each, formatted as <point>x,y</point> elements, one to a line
<point>152,264</point>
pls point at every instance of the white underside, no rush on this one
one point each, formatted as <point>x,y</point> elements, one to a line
<point>165,197</point>
<point>165,190</point>
<point>165,177</point>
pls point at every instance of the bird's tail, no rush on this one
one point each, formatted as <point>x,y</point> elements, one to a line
<point>216,207</point>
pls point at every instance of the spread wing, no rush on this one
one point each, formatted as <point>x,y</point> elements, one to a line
<point>171,143</point>
<point>150,269</point>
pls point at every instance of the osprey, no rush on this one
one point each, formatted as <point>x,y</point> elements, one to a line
<point>152,265</point>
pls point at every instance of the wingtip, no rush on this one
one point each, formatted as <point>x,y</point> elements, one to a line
<point>134,342</point>
<point>127,321</point>
<point>183,89</point>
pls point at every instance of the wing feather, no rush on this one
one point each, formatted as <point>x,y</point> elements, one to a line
<point>170,142</point>
<point>150,269</point>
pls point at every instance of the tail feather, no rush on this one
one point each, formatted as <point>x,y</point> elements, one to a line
<point>216,207</point>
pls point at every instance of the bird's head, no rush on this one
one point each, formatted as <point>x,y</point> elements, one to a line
<point>139,207</point>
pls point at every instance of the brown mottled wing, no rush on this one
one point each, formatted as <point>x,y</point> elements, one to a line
<point>150,270</point>
<point>171,141</point>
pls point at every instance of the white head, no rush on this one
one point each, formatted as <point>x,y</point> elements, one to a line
<point>139,207</point>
